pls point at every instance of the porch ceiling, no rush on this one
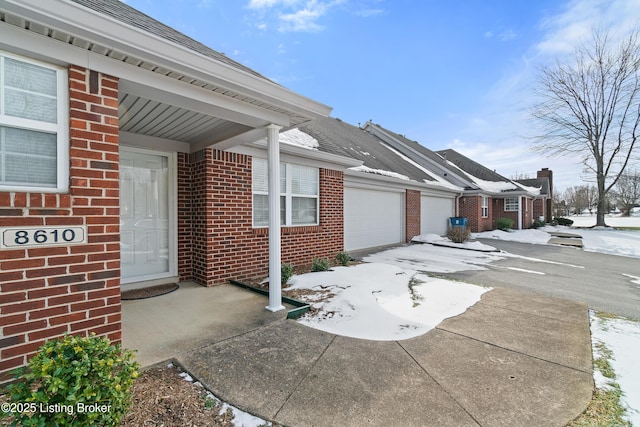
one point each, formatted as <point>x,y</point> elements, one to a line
<point>156,119</point>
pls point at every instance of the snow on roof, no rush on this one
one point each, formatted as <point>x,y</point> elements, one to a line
<point>390,174</point>
<point>438,179</point>
<point>489,186</point>
<point>299,138</point>
<point>533,190</point>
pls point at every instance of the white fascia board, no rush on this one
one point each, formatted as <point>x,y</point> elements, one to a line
<point>104,30</point>
<point>137,81</point>
<point>372,179</point>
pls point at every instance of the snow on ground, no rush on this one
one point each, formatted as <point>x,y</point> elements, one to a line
<point>383,302</point>
<point>435,259</point>
<point>622,337</point>
<point>602,240</point>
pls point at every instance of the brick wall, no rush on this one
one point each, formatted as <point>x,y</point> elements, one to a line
<point>224,244</point>
<point>469,207</point>
<point>47,292</point>
<point>412,212</point>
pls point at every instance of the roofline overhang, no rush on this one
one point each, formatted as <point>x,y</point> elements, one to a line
<point>400,184</point>
<point>390,139</point>
<point>77,20</point>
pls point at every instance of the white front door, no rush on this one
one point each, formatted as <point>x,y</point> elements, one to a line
<point>146,215</point>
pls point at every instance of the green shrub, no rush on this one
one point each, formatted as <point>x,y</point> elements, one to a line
<point>343,258</point>
<point>504,224</point>
<point>320,264</point>
<point>458,234</point>
<point>286,271</point>
<point>74,381</point>
<point>564,221</point>
<point>537,224</point>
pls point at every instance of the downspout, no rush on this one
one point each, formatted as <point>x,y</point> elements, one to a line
<point>273,154</point>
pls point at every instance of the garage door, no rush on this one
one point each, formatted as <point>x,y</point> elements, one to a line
<point>372,218</point>
<point>434,214</point>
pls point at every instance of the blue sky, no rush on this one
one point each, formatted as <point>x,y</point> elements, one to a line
<point>448,74</point>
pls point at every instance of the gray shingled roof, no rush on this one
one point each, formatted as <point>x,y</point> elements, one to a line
<point>541,183</point>
<point>337,137</point>
<point>470,167</point>
<point>133,17</point>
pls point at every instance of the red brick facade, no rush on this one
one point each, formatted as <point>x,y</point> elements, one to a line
<point>215,212</point>
<point>412,214</point>
<point>47,292</point>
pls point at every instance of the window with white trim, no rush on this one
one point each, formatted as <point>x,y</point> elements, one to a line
<point>511,204</point>
<point>34,143</point>
<point>485,207</point>
<point>299,194</point>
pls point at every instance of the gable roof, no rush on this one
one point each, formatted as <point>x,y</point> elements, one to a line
<point>122,12</point>
<point>540,183</point>
<point>337,137</point>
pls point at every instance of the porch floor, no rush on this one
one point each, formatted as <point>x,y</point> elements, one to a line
<point>162,327</point>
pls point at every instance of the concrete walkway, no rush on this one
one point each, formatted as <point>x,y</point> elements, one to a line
<point>513,359</point>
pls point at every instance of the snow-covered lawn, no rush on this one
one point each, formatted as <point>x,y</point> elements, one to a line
<point>622,338</point>
<point>383,302</point>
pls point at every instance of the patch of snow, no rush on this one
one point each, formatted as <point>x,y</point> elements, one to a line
<point>445,241</point>
<point>634,279</point>
<point>435,259</point>
<point>383,302</point>
<point>531,190</point>
<point>299,138</point>
<point>390,174</point>
<point>186,377</point>
<point>622,337</point>
<point>525,236</point>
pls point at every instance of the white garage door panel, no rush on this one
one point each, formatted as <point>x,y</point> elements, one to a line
<point>434,214</point>
<point>372,218</point>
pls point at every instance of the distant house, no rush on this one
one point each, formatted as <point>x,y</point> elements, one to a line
<point>485,195</point>
<point>389,198</point>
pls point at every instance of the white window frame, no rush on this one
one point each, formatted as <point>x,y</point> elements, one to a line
<point>60,128</point>
<point>484,207</point>
<point>511,204</point>
<point>288,195</point>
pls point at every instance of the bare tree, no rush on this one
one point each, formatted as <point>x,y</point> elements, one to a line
<point>627,192</point>
<point>589,106</point>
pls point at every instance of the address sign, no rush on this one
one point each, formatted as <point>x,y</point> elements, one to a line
<point>38,236</point>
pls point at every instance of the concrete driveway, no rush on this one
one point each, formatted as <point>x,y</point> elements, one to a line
<point>600,280</point>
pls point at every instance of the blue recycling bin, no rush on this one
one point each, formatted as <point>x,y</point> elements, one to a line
<point>458,221</point>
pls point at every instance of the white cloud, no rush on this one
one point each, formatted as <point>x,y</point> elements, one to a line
<point>565,30</point>
<point>366,13</point>
<point>293,15</point>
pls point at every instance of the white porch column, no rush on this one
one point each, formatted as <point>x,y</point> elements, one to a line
<point>273,152</point>
<point>519,212</point>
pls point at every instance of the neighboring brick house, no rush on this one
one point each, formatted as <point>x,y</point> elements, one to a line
<point>121,170</point>
<point>484,195</point>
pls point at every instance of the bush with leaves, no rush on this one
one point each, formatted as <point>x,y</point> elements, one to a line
<point>320,264</point>
<point>74,381</point>
<point>458,234</point>
<point>538,224</point>
<point>504,224</point>
<point>343,258</point>
<point>564,221</point>
<point>286,271</point>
